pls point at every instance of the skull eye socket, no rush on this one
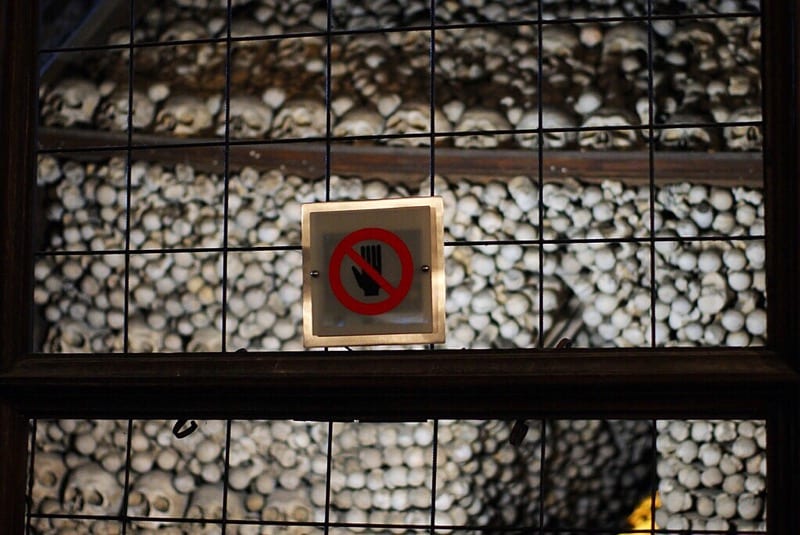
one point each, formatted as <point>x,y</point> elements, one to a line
<point>701,136</point>
<point>94,498</point>
<point>555,139</point>
<point>753,133</point>
<point>136,498</point>
<point>161,504</point>
<point>48,479</point>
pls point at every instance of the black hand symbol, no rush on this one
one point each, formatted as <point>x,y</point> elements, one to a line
<point>372,255</point>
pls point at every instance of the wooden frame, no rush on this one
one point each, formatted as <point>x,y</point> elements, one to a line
<point>757,383</point>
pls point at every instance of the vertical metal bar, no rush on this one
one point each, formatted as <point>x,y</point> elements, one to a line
<point>433,475</point>
<point>542,470</point>
<point>226,468</point>
<point>31,465</point>
<point>652,171</point>
<point>226,179</point>
<point>328,469</point>
<point>432,94</point>
<point>540,174</point>
<point>328,47</point>
<point>128,157</point>
<point>123,512</point>
<point>653,476</point>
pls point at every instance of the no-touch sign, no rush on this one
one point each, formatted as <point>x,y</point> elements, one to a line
<point>373,272</point>
<point>371,275</point>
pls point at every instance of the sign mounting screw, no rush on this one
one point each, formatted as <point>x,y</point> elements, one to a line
<point>425,268</point>
<point>314,273</point>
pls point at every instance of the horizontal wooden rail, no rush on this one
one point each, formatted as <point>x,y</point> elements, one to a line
<point>383,385</point>
<point>410,165</point>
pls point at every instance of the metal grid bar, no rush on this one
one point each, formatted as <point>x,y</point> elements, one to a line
<point>433,135</point>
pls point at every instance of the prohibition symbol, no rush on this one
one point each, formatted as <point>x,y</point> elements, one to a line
<point>369,278</point>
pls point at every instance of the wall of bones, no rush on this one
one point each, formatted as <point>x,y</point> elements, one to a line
<point>574,257</point>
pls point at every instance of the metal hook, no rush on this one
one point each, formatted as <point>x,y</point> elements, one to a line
<point>183,433</point>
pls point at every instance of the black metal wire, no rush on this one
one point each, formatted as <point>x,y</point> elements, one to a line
<point>432,94</point>
<point>31,464</point>
<point>328,98</point>
<point>128,185</point>
<point>226,183</point>
<point>432,136</point>
<point>542,473</point>
<point>453,243</point>
<point>123,514</point>
<point>328,471</point>
<point>226,467</point>
<point>434,464</point>
<point>653,475</point>
<point>652,172</point>
<point>540,176</point>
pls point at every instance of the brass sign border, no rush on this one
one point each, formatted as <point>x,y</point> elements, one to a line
<point>435,273</point>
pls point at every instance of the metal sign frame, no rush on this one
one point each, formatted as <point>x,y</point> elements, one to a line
<point>314,274</point>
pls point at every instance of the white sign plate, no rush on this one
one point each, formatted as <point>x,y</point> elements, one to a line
<point>373,272</point>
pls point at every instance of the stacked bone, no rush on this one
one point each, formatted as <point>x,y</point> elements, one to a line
<point>594,75</point>
<point>712,475</point>
<point>708,292</point>
<point>380,474</point>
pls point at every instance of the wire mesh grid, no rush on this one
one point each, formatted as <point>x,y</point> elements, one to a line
<point>448,476</point>
<point>543,147</point>
<point>527,214</point>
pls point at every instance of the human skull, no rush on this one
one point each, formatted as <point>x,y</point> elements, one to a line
<point>245,55</point>
<point>292,506</point>
<point>141,337</point>
<point>471,53</point>
<point>300,118</point>
<point>249,118</point>
<point>687,137</point>
<point>113,111</point>
<point>359,122</point>
<point>551,118</point>
<point>479,119</point>
<point>184,115</point>
<point>414,117</point>
<point>560,40</point>
<point>69,336</point>
<point>207,339</point>
<point>184,30</point>
<point>616,138</point>
<point>91,490</point>
<point>699,42</point>
<point>72,101</point>
<point>153,495</point>
<point>49,470</point>
<point>206,503</point>
<point>744,137</point>
<point>624,39</point>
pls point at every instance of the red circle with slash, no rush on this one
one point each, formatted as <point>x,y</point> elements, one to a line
<point>346,248</point>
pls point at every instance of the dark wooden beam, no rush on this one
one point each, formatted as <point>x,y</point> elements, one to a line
<point>403,384</point>
<point>18,23</point>
<point>410,165</point>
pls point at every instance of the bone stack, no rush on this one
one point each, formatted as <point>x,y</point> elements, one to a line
<point>712,474</point>
<point>709,292</point>
<point>594,76</point>
<point>380,474</point>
